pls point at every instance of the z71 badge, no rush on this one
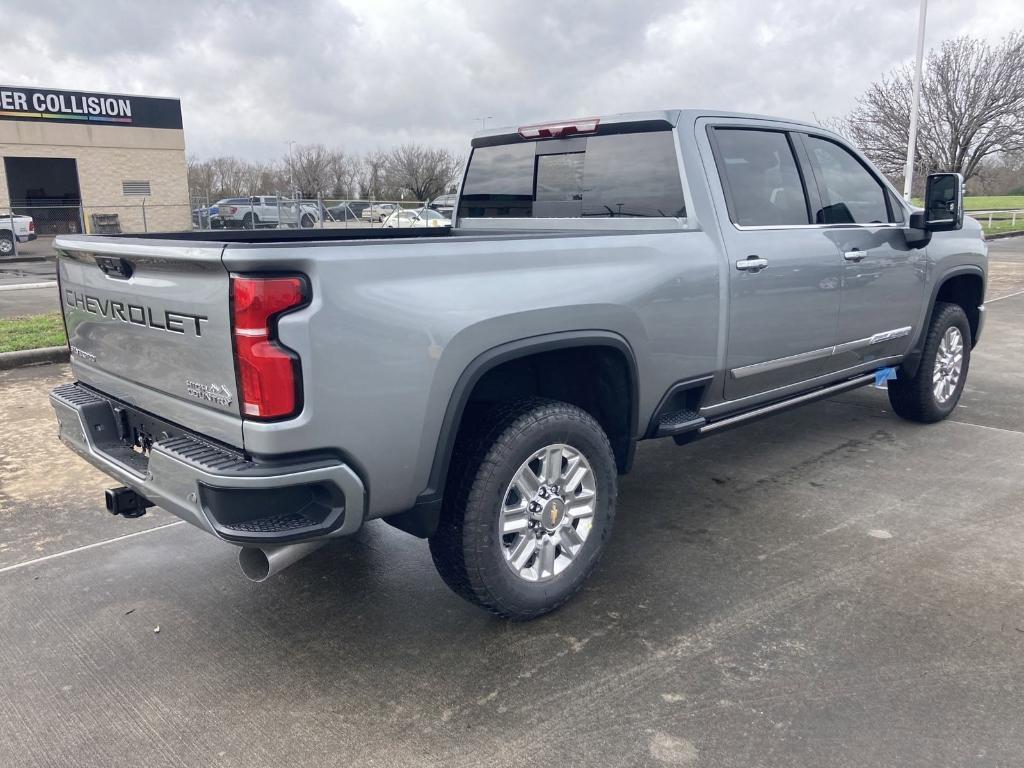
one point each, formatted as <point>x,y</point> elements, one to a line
<point>213,393</point>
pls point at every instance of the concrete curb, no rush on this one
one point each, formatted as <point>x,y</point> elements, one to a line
<point>20,259</point>
<point>29,286</point>
<point>1002,235</point>
<point>27,357</point>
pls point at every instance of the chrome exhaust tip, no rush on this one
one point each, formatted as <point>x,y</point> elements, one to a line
<point>260,563</point>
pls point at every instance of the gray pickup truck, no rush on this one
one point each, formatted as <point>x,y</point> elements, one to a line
<point>663,274</point>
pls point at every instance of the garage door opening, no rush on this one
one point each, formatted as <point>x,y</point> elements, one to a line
<point>45,188</point>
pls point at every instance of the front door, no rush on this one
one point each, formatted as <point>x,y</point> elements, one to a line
<point>883,279</point>
<point>784,274</point>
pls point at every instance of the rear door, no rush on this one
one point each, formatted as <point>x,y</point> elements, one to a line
<point>149,323</point>
<point>785,273</point>
<point>883,278</point>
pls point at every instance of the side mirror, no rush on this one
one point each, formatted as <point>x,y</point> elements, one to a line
<point>254,199</point>
<point>944,202</point>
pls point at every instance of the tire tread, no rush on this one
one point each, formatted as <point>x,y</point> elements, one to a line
<point>461,545</point>
<point>912,398</point>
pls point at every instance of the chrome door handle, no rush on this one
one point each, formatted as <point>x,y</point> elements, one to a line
<point>751,264</point>
<point>854,255</point>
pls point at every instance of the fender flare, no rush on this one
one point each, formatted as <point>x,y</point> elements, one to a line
<point>422,519</point>
<point>912,360</point>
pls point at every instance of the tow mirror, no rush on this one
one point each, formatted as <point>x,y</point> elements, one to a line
<point>944,202</point>
<point>943,208</point>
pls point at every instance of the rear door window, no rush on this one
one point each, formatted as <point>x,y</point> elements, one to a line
<point>850,193</point>
<point>616,175</point>
<point>760,178</point>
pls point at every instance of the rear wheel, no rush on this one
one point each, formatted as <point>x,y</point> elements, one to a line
<point>934,391</point>
<point>529,507</point>
<point>6,244</point>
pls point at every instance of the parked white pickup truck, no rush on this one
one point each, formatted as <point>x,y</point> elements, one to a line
<point>21,227</point>
<point>263,211</point>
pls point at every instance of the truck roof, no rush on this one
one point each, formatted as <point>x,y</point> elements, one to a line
<point>672,117</point>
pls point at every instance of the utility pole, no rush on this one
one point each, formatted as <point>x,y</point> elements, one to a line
<point>291,171</point>
<point>483,122</point>
<point>908,174</point>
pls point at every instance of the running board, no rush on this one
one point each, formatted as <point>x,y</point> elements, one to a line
<point>768,410</point>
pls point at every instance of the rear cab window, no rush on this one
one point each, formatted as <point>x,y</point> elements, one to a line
<point>760,177</point>
<point>618,175</point>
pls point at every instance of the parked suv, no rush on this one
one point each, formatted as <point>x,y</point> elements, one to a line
<point>609,280</point>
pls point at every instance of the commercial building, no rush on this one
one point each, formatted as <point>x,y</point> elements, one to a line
<point>76,160</point>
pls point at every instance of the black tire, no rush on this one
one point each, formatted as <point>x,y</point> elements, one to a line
<point>467,549</point>
<point>913,398</point>
<point>306,222</point>
<point>250,221</point>
<point>6,244</point>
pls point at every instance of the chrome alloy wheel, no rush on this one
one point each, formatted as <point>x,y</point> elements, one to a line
<point>547,512</point>
<point>949,362</point>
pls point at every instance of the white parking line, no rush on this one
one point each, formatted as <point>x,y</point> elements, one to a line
<point>1007,296</point>
<point>26,286</point>
<point>55,555</point>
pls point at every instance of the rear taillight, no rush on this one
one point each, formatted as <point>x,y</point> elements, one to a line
<point>269,376</point>
<point>32,225</point>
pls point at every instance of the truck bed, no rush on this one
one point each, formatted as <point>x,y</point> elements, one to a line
<point>290,235</point>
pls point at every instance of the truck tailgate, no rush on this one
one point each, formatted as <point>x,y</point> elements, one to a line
<point>150,324</point>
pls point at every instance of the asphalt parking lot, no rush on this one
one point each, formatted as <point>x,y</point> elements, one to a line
<point>832,586</point>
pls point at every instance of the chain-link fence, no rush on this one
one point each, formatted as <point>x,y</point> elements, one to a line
<point>281,211</point>
<point>49,220</point>
<point>31,228</point>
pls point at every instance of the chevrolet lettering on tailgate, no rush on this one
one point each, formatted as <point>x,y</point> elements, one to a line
<point>126,312</point>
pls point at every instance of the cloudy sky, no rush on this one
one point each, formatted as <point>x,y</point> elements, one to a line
<point>372,73</point>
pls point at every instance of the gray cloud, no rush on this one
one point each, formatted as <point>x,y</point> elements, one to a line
<point>361,75</point>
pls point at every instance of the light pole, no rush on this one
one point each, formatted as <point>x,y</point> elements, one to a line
<point>908,174</point>
<point>291,167</point>
<point>483,122</point>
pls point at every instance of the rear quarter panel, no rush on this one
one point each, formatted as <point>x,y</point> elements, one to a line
<point>392,326</point>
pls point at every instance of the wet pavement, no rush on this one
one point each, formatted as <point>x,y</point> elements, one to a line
<point>831,586</point>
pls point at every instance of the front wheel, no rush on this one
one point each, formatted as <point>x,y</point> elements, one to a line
<point>934,391</point>
<point>529,507</point>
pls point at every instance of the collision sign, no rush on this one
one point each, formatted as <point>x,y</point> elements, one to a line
<point>38,104</point>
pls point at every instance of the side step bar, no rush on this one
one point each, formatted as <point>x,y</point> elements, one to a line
<point>768,410</point>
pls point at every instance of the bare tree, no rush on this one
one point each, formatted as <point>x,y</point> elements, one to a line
<point>1003,175</point>
<point>310,169</point>
<point>202,181</point>
<point>344,175</point>
<point>972,108</point>
<point>424,172</point>
<point>373,182</point>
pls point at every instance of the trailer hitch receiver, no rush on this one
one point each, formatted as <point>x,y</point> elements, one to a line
<point>126,502</point>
